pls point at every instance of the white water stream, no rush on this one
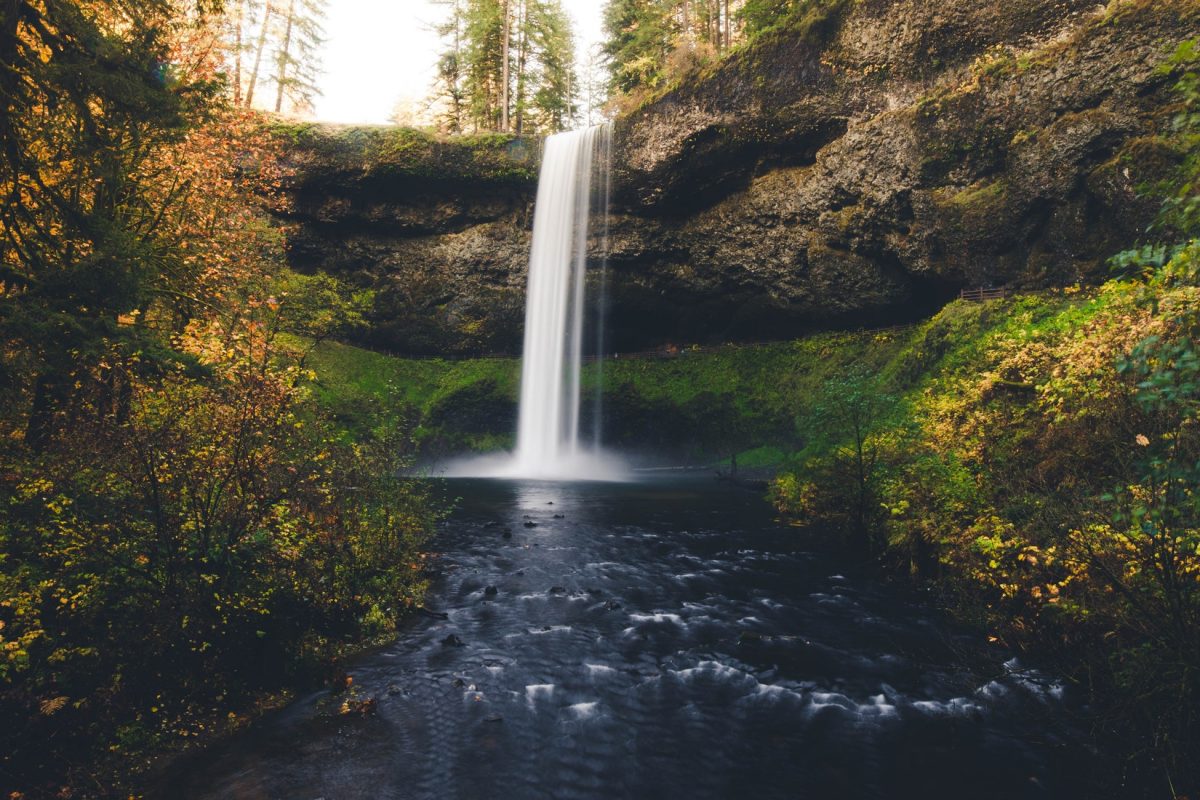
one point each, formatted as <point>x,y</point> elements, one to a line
<point>571,210</point>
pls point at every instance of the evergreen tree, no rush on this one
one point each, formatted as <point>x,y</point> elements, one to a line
<point>555,78</point>
<point>508,66</point>
<point>641,35</point>
<point>284,35</point>
<point>760,14</point>
<point>450,95</point>
<point>266,14</point>
<point>297,60</point>
<point>484,69</point>
<point>651,42</point>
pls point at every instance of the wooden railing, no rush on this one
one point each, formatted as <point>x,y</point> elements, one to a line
<point>983,294</point>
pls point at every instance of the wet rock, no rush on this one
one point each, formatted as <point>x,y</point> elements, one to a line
<point>612,605</point>
<point>458,683</point>
<point>491,591</point>
<point>452,641</point>
<point>531,524</point>
<point>557,590</point>
<point>394,690</point>
<point>560,516</point>
<point>433,614</point>
<point>493,718</point>
<point>492,524</point>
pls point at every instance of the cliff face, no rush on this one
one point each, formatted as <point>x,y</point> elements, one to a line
<point>856,168</point>
<point>440,230</point>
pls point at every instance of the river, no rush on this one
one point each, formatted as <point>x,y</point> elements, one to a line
<point>667,639</point>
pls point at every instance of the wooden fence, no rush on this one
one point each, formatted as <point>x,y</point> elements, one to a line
<point>983,294</point>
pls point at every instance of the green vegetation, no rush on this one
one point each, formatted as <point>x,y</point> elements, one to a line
<point>656,45</point>
<point>183,531</point>
<point>700,406</point>
<point>386,150</point>
<point>1038,466</point>
<point>506,65</point>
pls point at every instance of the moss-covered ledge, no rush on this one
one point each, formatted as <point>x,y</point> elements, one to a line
<point>323,151</point>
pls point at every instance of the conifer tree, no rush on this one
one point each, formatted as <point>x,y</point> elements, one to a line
<point>508,66</point>
<point>651,42</point>
<point>281,36</point>
<point>449,93</point>
<point>297,59</point>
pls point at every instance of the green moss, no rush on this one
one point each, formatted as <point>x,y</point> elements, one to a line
<point>699,404</point>
<point>704,404</point>
<point>393,150</point>
<point>981,196</point>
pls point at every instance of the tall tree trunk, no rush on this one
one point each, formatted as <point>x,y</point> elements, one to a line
<point>262,43</point>
<point>522,55</point>
<point>728,27</point>
<point>456,97</point>
<point>505,33</point>
<point>238,19</point>
<point>283,55</point>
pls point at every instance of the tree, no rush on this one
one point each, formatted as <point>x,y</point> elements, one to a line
<point>508,65</point>
<point>268,11</point>
<point>553,47</point>
<point>484,71</point>
<point>175,528</point>
<point>652,42</point>
<point>849,410</point>
<point>297,60</point>
<point>449,93</point>
<point>288,34</point>
<point>760,14</point>
<point>641,34</point>
<point>594,86</point>
<point>83,230</point>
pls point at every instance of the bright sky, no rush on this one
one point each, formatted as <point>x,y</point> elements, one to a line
<point>378,52</point>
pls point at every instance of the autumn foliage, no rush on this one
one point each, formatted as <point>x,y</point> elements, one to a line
<point>181,528</point>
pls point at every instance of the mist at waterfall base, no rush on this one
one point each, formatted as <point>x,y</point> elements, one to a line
<point>571,210</point>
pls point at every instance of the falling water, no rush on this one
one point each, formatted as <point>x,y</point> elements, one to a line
<point>572,192</point>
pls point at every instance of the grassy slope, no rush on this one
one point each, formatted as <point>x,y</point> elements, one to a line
<point>714,402</point>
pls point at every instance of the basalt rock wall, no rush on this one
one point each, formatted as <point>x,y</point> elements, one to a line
<point>855,168</point>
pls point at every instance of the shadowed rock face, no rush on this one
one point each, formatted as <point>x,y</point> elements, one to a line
<point>855,171</point>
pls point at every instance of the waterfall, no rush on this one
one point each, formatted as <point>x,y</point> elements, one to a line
<point>571,212</point>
